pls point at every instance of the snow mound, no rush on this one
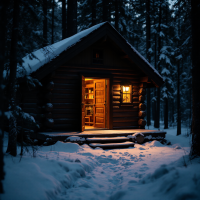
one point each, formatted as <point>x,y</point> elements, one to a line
<point>75,139</point>
<point>153,144</point>
<point>65,147</point>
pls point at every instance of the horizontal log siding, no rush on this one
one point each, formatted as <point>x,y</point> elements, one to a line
<point>28,101</point>
<point>125,116</point>
<point>66,92</point>
<point>65,100</point>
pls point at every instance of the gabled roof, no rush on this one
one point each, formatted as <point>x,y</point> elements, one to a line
<point>50,57</point>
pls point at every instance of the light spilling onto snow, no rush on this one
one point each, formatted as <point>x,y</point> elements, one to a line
<point>69,171</point>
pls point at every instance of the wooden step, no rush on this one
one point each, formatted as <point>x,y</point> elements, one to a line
<point>112,145</point>
<point>107,140</point>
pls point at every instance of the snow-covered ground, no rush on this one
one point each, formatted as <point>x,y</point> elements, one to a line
<point>69,171</point>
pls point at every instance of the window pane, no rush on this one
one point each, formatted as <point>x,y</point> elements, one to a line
<point>126,89</point>
<point>126,98</point>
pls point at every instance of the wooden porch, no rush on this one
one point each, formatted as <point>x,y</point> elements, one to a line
<point>106,139</point>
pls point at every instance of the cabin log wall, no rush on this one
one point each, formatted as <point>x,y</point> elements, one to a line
<point>65,100</point>
<point>142,106</point>
<point>59,98</point>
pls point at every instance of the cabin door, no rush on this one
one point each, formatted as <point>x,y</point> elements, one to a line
<point>99,114</point>
<point>83,103</point>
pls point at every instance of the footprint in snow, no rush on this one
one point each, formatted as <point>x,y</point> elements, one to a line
<point>142,169</point>
<point>144,164</point>
<point>85,185</point>
<point>141,148</point>
<point>142,155</point>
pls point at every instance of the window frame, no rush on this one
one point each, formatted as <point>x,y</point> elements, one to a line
<point>126,103</point>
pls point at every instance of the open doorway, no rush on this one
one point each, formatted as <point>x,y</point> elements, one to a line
<point>96,102</point>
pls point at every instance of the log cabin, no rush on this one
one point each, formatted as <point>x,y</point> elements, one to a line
<point>92,80</point>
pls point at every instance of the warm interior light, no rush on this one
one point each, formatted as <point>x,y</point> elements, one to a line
<point>125,88</point>
<point>97,55</point>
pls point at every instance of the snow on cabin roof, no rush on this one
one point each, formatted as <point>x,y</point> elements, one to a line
<point>48,53</point>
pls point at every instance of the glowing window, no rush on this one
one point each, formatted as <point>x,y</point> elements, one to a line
<point>126,94</point>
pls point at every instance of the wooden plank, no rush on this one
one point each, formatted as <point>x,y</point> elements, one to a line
<point>115,98</point>
<point>64,91</point>
<point>65,81</point>
<point>125,119</point>
<point>145,79</point>
<point>125,114</point>
<point>64,106</point>
<point>65,86</point>
<point>99,116</point>
<point>131,109</point>
<point>64,96</point>
<point>58,115</point>
<point>143,85</point>
<point>116,93</point>
<point>66,100</point>
<point>126,127</point>
<point>65,120</point>
<point>113,145</point>
<point>111,103</point>
<point>116,87</point>
<point>116,102</point>
<point>65,127</point>
<point>135,99</point>
<point>124,124</point>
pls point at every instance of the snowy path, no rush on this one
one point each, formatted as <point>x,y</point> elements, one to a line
<point>69,171</point>
<point>118,171</point>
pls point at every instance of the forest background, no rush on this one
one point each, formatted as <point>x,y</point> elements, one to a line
<point>160,30</point>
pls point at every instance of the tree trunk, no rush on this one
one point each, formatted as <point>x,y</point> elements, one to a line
<point>12,139</point>
<point>117,15</point>
<point>148,45</point>
<point>178,88</point>
<point>157,122</point>
<point>105,11</point>
<point>155,61</point>
<point>52,22</point>
<point>93,12</point>
<point>3,8</point>
<point>195,148</point>
<point>166,114</point>
<point>45,43</point>
<point>178,101</point>
<point>71,17</point>
<point>63,19</point>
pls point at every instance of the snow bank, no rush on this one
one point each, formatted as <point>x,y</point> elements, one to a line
<point>69,171</point>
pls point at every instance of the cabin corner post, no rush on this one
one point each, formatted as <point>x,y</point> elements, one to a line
<point>142,106</point>
<point>49,121</point>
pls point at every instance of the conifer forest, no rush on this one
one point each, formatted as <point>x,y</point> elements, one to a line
<point>165,32</point>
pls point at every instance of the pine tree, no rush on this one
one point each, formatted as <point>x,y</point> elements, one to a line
<point>44,5</point>
<point>148,55</point>
<point>71,17</point>
<point>195,149</point>
<point>93,12</point>
<point>3,8</point>
<point>12,140</point>
<point>64,19</point>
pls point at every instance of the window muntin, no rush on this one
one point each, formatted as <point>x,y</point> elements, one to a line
<point>126,94</point>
